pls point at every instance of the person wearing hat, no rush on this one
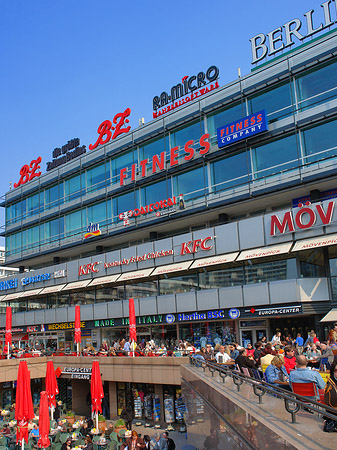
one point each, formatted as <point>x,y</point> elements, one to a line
<point>133,442</point>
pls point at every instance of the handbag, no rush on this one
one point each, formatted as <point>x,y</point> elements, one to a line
<point>330,426</point>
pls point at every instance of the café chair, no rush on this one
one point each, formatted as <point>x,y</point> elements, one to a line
<point>305,390</point>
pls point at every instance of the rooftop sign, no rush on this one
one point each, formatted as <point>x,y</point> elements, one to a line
<point>282,37</point>
<point>68,155</point>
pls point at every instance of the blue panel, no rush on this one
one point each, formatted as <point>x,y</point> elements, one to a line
<point>242,129</point>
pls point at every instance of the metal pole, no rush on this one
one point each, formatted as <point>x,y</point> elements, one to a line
<point>133,348</point>
<point>52,412</point>
<point>78,349</point>
<point>97,420</point>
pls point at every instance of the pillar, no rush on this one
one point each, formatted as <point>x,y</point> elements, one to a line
<point>158,391</point>
<point>80,390</point>
<point>113,399</point>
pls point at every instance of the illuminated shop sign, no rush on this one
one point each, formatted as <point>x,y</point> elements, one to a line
<point>282,37</point>
<point>14,330</point>
<point>242,129</point>
<point>108,132</point>
<point>156,207</point>
<point>29,171</point>
<point>208,315</point>
<point>124,321</point>
<point>159,162</point>
<point>82,373</point>
<point>8,284</point>
<point>68,155</point>
<point>133,259</point>
<point>277,311</point>
<point>36,329</point>
<point>35,279</point>
<point>64,326</point>
<point>194,86</point>
<point>85,269</point>
<point>92,231</point>
<point>304,218</point>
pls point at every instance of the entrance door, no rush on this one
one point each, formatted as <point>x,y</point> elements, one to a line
<point>251,335</point>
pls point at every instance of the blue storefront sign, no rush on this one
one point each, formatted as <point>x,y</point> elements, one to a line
<point>234,313</point>
<point>9,284</point>
<point>242,128</point>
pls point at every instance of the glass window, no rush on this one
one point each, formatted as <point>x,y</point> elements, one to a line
<point>320,142</point>
<point>109,294</point>
<point>144,289</point>
<point>97,177</point>
<point>277,102</point>
<point>225,277</point>
<point>52,196</point>
<point>230,172</point>
<point>32,236</point>
<point>155,192</point>
<point>73,187</point>
<point>33,205</point>
<point>99,213</point>
<point>153,148</point>
<point>182,283</point>
<point>275,157</point>
<point>223,117</point>
<point>192,131</point>
<point>190,184</point>
<point>121,161</point>
<point>73,223</point>
<point>312,263</point>
<point>270,271</point>
<point>51,231</point>
<point>86,297</point>
<point>317,86</point>
<point>124,203</point>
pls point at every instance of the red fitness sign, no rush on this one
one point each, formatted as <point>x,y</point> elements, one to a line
<point>106,128</point>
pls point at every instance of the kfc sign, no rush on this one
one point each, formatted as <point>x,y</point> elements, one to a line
<point>305,218</point>
<point>193,246</point>
<point>88,268</point>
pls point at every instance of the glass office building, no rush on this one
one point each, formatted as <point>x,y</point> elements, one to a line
<point>208,201</point>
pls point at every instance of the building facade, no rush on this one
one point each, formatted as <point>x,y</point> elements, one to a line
<point>218,216</point>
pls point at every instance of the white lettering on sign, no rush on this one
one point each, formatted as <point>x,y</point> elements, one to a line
<point>304,218</point>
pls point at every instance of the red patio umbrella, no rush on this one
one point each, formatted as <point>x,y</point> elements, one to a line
<point>8,333</point>
<point>44,423</point>
<point>51,386</point>
<point>24,406</point>
<point>97,392</point>
<point>132,324</point>
<point>78,326</point>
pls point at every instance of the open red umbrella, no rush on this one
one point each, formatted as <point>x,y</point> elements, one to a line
<point>78,326</point>
<point>24,406</point>
<point>132,324</point>
<point>8,333</point>
<point>97,392</point>
<point>44,423</point>
<point>51,386</point>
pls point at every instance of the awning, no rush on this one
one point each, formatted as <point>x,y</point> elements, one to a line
<point>306,244</point>
<point>331,316</point>
<point>77,285</point>
<point>33,292</point>
<point>134,275</point>
<point>105,280</point>
<point>20,337</point>
<point>14,296</point>
<point>2,298</point>
<point>177,267</point>
<point>51,289</point>
<point>213,260</point>
<point>265,251</point>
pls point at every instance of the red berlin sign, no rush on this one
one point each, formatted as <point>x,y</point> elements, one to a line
<point>105,129</point>
<point>305,218</point>
<point>159,161</point>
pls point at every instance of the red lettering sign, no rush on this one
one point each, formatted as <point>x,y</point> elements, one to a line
<point>305,218</point>
<point>87,268</point>
<point>192,246</point>
<point>105,129</point>
<point>29,172</point>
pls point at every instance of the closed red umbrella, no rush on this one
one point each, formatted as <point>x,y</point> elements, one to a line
<point>24,406</point>
<point>51,386</point>
<point>97,392</point>
<point>8,333</point>
<point>77,326</point>
<point>132,323</point>
<point>44,423</point>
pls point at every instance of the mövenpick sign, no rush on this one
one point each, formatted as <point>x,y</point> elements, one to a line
<point>282,37</point>
<point>305,218</point>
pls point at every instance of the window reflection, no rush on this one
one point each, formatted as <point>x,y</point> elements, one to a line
<point>312,263</point>
<point>230,172</point>
<point>277,102</point>
<point>177,284</point>
<point>143,289</point>
<point>108,294</point>
<point>320,142</point>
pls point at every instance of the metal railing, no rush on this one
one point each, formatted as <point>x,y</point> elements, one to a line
<point>293,403</point>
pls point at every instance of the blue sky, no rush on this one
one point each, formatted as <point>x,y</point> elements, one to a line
<point>68,65</point>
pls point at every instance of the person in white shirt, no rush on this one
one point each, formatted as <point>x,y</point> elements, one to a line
<point>222,356</point>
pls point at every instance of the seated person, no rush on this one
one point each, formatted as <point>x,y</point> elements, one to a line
<point>326,353</point>
<point>209,354</point>
<point>250,350</point>
<point>6,430</point>
<point>289,358</point>
<point>35,432</point>
<point>234,353</point>
<point>330,392</point>
<point>67,444</point>
<point>276,373</point>
<point>222,356</point>
<point>244,361</point>
<point>267,355</point>
<point>304,375</point>
<point>313,351</point>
